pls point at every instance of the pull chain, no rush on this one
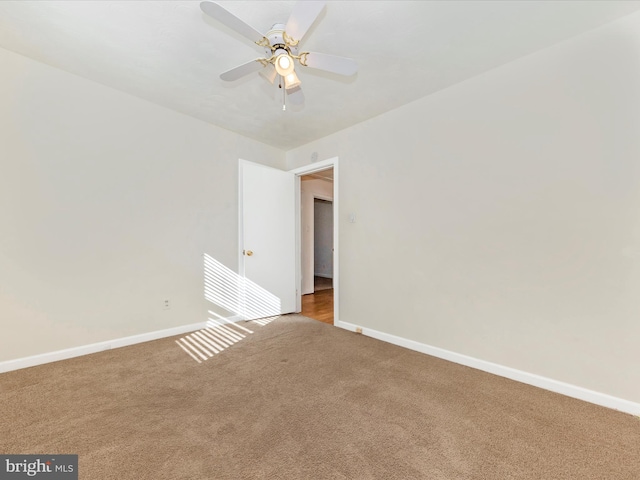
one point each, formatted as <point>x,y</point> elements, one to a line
<point>284,97</point>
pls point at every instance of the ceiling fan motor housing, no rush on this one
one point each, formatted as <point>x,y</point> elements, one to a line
<point>278,44</point>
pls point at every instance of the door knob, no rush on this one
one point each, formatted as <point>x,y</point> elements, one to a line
<point>249,253</point>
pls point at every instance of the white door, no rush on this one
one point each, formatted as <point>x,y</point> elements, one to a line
<point>267,240</point>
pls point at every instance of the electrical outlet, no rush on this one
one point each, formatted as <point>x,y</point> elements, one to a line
<point>358,329</point>
<point>167,305</point>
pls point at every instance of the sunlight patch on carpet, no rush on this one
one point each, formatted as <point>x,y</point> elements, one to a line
<point>264,321</point>
<point>204,344</point>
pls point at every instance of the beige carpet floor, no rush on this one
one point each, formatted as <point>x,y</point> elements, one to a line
<point>298,399</point>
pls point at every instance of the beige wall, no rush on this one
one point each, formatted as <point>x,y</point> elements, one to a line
<point>500,218</point>
<point>107,205</point>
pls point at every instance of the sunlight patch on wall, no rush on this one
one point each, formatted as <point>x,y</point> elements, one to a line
<point>237,294</point>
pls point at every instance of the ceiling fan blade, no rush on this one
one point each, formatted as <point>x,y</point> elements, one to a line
<point>302,17</point>
<point>295,96</point>
<point>230,20</point>
<point>241,70</point>
<point>330,63</point>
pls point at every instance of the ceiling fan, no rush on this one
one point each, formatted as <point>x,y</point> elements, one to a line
<point>280,45</point>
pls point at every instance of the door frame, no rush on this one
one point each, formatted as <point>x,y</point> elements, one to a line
<point>306,170</point>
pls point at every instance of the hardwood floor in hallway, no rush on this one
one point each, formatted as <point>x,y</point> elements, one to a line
<point>319,306</point>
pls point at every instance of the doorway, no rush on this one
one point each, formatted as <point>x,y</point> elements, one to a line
<point>317,229</point>
<point>316,208</point>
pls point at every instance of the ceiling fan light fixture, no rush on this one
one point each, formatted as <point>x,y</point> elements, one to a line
<point>291,80</point>
<point>284,64</point>
<point>269,73</point>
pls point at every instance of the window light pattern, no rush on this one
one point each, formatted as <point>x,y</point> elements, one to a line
<point>236,294</point>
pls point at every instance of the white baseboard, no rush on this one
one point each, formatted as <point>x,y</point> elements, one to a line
<point>323,275</point>
<point>567,389</point>
<point>43,358</point>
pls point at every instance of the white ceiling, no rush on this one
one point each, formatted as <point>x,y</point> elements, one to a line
<point>170,53</point>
